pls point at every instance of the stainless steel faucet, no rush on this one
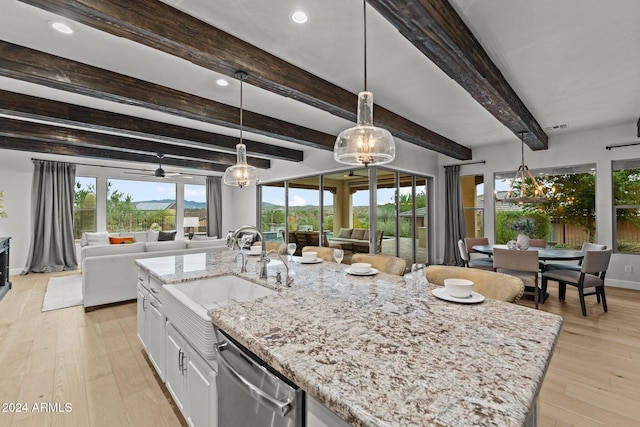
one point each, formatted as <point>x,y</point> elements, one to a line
<point>264,260</point>
<point>243,266</point>
<point>288,280</point>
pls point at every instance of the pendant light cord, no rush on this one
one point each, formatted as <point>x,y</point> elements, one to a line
<point>364,21</point>
<point>241,80</point>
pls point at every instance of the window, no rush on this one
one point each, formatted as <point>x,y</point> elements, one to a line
<point>140,205</point>
<point>565,217</point>
<point>626,205</point>
<point>273,212</point>
<point>195,206</point>
<point>472,189</point>
<point>401,212</point>
<point>84,206</point>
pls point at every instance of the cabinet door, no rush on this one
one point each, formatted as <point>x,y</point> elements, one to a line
<point>143,302</point>
<point>201,392</point>
<point>175,367</point>
<point>156,333</point>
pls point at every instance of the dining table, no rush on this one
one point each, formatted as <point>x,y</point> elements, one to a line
<point>544,254</point>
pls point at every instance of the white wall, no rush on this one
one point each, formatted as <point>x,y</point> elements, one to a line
<point>565,150</point>
<point>16,172</point>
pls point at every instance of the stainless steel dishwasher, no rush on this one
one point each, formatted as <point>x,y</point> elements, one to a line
<point>250,394</point>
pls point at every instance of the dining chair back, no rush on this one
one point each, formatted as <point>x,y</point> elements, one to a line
<point>387,263</point>
<point>488,283</point>
<point>473,258</point>
<point>281,248</point>
<point>325,254</point>
<point>590,277</point>
<point>538,243</point>
<point>586,246</point>
<point>522,264</point>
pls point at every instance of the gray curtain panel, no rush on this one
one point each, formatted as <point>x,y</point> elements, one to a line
<point>52,196</point>
<point>455,228</point>
<point>214,206</point>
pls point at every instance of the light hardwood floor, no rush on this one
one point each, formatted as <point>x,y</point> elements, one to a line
<point>94,361</point>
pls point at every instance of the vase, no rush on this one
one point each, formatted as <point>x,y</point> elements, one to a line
<point>522,242</point>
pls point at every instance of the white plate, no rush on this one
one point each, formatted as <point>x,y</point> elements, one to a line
<point>368,273</point>
<point>253,253</point>
<point>442,294</point>
<point>313,261</point>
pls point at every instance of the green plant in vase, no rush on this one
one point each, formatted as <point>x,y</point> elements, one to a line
<point>524,226</point>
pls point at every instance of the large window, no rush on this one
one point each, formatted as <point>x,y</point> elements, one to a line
<point>472,189</point>
<point>626,205</point>
<point>401,212</point>
<point>273,212</point>
<point>566,214</point>
<point>140,205</point>
<point>84,206</point>
<point>195,208</point>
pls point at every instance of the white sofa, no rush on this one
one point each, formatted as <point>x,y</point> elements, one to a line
<point>109,272</point>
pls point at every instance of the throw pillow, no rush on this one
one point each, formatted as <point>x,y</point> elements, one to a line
<point>97,239</point>
<point>345,233</point>
<point>121,240</point>
<point>357,233</point>
<point>164,236</point>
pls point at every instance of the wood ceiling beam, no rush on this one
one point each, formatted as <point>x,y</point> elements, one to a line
<point>160,26</point>
<point>58,148</point>
<point>12,103</point>
<point>436,30</point>
<point>37,67</point>
<point>43,132</point>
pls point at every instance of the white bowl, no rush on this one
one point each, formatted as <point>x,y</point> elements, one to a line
<point>361,267</point>
<point>458,288</point>
<point>255,249</point>
<point>309,256</point>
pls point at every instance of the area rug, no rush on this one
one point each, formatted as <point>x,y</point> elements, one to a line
<point>62,292</point>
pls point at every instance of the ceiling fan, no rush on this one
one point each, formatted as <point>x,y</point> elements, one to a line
<point>159,172</point>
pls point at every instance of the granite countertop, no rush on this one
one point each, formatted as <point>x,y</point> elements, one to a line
<point>382,350</point>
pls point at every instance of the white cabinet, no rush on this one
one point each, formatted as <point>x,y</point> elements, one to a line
<point>320,416</point>
<point>151,323</point>
<point>191,381</point>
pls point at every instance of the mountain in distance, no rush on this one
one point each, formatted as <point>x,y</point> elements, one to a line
<point>188,204</point>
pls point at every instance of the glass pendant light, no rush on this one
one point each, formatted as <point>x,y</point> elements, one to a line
<point>241,174</point>
<point>364,144</point>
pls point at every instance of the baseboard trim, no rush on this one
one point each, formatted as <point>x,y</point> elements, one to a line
<point>626,284</point>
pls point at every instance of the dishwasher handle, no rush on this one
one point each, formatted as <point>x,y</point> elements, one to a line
<point>265,399</point>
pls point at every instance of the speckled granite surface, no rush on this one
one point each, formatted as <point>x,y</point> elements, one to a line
<point>382,350</point>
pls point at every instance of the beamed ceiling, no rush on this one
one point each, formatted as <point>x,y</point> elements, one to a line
<point>136,79</point>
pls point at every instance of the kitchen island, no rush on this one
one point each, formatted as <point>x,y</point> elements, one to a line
<point>382,350</point>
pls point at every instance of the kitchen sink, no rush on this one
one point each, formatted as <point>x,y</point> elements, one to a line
<point>186,306</point>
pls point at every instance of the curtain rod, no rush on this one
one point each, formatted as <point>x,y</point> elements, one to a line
<point>466,163</point>
<point>125,168</point>
<point>628,144</point>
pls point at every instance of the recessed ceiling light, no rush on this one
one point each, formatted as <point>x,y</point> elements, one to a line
<point>62,27</point>
<point>299,17</point>
<point>222,82</point>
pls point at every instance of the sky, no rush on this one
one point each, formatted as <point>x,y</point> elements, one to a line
<point>149,190</point>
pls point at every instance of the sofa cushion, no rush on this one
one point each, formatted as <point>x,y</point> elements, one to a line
<point>357,233</point>
<point>365,236</point>
<point>108,249</point>
<point>165,236</point>
<point>345,233</point>
<point>139,236</point>
<point>165,245</point>
<point>101,238</point>
<point>152,236</point>
<point>121,240</point>
<point>206,243</point>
